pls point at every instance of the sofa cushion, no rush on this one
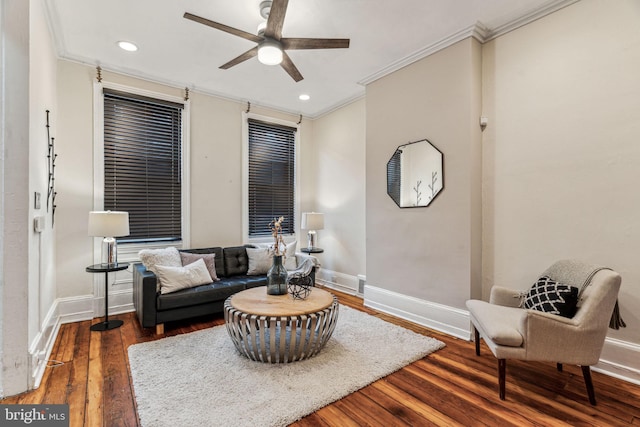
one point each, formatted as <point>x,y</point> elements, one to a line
<point>235,260</point>
<point>290,262</point>
<point>216,291</point>
<point>552,297</point>
<point>175,278</point>
<point>209,260</point>
<point>169,257</point>
<point>213,250</point>
<point>260,261</point>
<point>498,323</point>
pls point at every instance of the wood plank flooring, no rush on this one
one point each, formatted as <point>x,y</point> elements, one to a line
<point>451,387</point>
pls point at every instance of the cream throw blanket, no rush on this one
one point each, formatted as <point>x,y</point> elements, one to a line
<point>579,274</point>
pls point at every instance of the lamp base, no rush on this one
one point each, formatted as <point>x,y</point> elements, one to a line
<point>311,235</point>
<point>106,326</point>
<point>109,252</point>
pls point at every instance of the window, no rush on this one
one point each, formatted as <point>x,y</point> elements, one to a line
<point>143,164</point>
<point>271,176</point>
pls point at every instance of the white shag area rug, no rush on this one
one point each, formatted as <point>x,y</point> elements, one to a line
<point>200,379</point>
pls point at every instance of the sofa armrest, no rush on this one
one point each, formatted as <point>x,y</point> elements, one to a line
<point>145,292</point>
<point>505,297</point>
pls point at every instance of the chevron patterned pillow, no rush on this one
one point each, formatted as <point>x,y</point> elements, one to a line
<point>552,297</point>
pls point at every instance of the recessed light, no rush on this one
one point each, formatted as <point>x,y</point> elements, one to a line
<point>304,97</point>
<point>128,46</point>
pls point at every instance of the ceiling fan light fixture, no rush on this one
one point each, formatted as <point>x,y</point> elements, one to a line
<point>270,52</point>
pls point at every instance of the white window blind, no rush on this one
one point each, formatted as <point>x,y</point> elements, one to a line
<point>142,164</point>
<point>271,177</point>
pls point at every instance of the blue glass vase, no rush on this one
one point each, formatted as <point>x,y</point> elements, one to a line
<point>277,277</point>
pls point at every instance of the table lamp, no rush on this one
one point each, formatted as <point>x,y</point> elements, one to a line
<point>312,221</point>
<point>109,224</point>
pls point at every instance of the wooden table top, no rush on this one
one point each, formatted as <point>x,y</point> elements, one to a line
<point>256,301</point>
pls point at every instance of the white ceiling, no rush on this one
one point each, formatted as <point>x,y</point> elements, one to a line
<point>385,35</point>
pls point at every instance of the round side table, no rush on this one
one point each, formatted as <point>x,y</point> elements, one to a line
<point>106,269</point>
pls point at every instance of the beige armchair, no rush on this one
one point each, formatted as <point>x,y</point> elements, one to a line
<point>512,332</point>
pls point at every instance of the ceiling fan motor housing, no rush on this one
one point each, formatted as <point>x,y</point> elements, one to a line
<point>265,8</point>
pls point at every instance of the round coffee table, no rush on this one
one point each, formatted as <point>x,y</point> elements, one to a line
<point>278,328</point>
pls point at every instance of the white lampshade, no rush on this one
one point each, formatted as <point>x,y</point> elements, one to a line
<point>312,221</point>
<point>108,223</point>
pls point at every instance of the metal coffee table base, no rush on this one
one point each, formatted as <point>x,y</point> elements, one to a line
<point>280,339</point>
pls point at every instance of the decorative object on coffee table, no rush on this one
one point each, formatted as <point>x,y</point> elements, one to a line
<point>300,281</point>
<point>300,288</point>
<point>277,274</point>
<point>278,328</point>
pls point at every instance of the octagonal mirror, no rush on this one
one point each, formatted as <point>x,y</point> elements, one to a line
<point>415,174</point>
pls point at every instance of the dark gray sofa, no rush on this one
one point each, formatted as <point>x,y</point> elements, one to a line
<point>154,308</point>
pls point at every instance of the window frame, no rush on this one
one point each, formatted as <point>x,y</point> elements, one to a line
<point>128,252</point>
<point>245,176</point>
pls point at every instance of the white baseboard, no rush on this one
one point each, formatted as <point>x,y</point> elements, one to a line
<point>69,310</point>
<point>338,281</point>
<point>42,345</point>
<point>619,359</point>
<point>450,320</point>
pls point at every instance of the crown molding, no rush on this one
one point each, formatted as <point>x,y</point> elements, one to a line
<point>542,11</point>
<point>479,31</point>
<point>476,31</point>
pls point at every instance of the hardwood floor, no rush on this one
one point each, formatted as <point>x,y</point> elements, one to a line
<point>451,387</point>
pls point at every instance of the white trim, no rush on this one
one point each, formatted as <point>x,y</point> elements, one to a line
<point>475,31</point>
<point>245,174</point>
<point>620,359</point>
<point>129,252</point>
<point>42,345</point>
<point>338,281</point>
<point>534,15</point>
<point>450,320</point>
<point>478,31</point>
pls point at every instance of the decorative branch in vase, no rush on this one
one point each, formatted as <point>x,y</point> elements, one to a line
<point>277,274</point>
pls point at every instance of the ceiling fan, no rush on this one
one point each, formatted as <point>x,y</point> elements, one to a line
<point>271,45</point>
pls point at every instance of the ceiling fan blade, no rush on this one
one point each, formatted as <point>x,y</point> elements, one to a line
<point>276,19</point>
<point>235,61</point>
<point>291,69</point>
<point>298,43</point>
<point>222,27</point>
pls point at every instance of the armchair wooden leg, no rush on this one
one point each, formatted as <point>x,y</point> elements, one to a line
<point>586,373</point>
<point>477,339</point>
<point>502,372</point>
<point>559,366</point>
<point>160,329</point>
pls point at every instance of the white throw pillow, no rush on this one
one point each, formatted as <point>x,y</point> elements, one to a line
<point>169,257</point>
<point>175,278</point>
<point>260,260</point>
<point>290,262</point>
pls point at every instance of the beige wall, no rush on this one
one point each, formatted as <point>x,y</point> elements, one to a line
<point>42,97</point>
<point>339,193</point>
<point>562,152</point>
<point>430,253</point>
<point>216,169</point>
<point>14,197</point>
